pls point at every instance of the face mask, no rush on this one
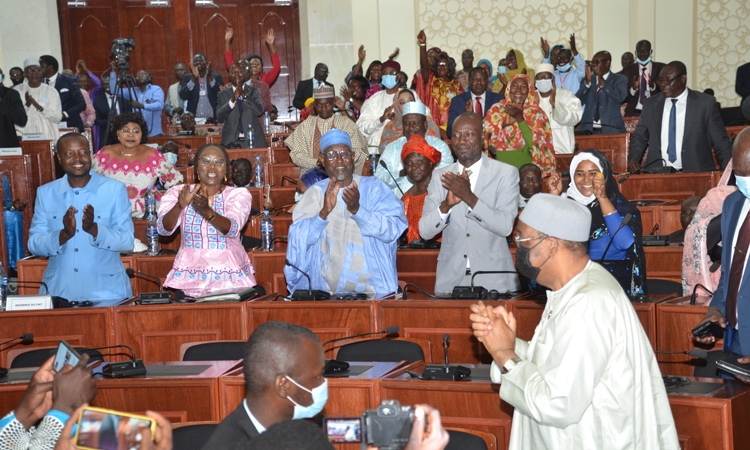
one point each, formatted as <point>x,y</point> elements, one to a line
<point>297,197</point>
<point>564,68</point>
<point>523,263</point>
<point>1,78</point>
<point>171,158</point>
<point>502,70</point>
<point>544,86</point>
<point>643,63</point>
<point>389,81</point>
<point>320,397</point>
<point>743,184</point>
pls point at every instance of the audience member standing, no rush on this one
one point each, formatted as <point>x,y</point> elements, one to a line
<point>305,88</point>
<point>71,99</point>
<point>12,113</point>
<point>377,110</point>
<point>477,99</point>
<point>562,107</point>
<point>174,104</point>
<point>146,97</point>
<point>42,103</point>
<point>238,108</point>
<point>200,88</point>
<point>601,94</point>
<point>641,79</point>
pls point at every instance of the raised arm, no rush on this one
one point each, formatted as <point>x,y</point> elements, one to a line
<point>424,65</point>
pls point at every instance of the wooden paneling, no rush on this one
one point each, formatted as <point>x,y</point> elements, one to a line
<point>87,34</point>
<point>675,319</point>
<point>614,146</point>
<point>23,183</point>
<point>676,186</point>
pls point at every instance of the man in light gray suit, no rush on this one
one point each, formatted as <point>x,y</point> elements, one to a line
<point>474,203</point>
<point>237,107</point>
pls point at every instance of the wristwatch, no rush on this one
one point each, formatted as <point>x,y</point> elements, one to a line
<point>510,365</point>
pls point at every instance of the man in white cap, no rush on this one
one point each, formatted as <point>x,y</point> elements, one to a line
<point>42,102</point>
<point>561,106</point>
<point>304,142</point>
<point>588,378</point>
<point>345,228</point>
<point>414,122</point>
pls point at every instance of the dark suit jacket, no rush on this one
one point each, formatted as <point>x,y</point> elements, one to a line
<point>612,94</point>
<point>304,91</point>
<point>101,107</point>
<point>742,83</point>
<point>458,106</point>
<point>633,71</point>
<point>234,432</point>
<point>193,96</point>
<point>12,113</point>
<point>230,117</point>
<point>71,100</point>
<point>704,130</point>
<point>730,216</point>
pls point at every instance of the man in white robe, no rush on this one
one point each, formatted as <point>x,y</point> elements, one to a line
<point>41,101</point>
<point>588,379</point>
<point>562,107</point>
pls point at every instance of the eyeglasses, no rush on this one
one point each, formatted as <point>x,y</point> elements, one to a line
<point>133,131</point>
<point>343,154</point>
<point>668,81</point>
<point>519,240</point>
<point>442,63</point>
<point>216,161</point>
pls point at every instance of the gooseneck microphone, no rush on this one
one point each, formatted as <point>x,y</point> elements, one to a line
<point>334,366</point>
<point>385,166</point>
<point>695,289</point>
<point>445,372</point>
<point>26,339</point>
<point>695,353</point>
<point>150,298</point>
<point>625,220</point>
<point>446,339</point>
<point>393,329</point>
<point>309,293</point>
<point>131,368</point>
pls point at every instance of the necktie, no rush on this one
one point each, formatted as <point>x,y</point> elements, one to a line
<point>239,107</point>
<point>478,108</point>
<point>597,117</point>
<point>643,87</point>
<point>46,81</point>
<point>672,146</point>
<point>735,273</point>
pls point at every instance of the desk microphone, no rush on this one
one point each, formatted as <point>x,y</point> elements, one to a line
<point>131,368</point>
<point>445,372</point>
<point>478,292</point>
<point>151,298</point>
<point>334,366</point>
<point>446,339</point>
<point>385,166</point>
<point>695,353</point>
<point>695,288</point>
<point>664,168</point>
<point>403,292</point>
<point>26,339</point>
<point>40,283</point>
<point>625,220</point>
<point>309,293</point>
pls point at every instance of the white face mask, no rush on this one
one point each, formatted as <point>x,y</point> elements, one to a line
<point>171,158</point>
<point>544,86</point>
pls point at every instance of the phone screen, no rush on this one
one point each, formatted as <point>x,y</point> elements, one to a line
<point>65,355</point>
<point>105,430</point>
<point>344,430</point>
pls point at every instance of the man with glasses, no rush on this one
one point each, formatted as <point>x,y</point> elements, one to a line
<point>238,109</point>
<point>304,142</point>
<point>345,228</point>
<point>601,93</point>
<point>680,127</point>
<point>588,378</point>
<point>473,202</point>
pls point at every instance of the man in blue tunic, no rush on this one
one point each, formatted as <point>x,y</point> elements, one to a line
<point>345,229</point>
<point>82,223</point>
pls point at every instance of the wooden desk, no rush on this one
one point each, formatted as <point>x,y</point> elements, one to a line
<point>614,146</point>
<point>664,262</point>
<point>677,186</point>
<point>178,398</point>
<point>676,318</point>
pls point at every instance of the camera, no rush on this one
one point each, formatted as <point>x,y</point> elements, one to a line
<point>121,48</point>
<point>387,427</point>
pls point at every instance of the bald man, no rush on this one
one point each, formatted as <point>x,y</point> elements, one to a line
<point>283,371</point>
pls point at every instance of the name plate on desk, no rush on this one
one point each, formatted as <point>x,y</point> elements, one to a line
<point>28,302</point>
<point>33,137</point>
<point>12,151</point>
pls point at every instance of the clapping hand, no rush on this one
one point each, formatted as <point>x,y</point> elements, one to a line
<point>351,197</point>
<point>186,195</point>
<point>88,224</point>
<point>69,226</point>
<point>330,198</point>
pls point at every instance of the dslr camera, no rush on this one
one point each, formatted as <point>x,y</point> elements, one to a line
<point>387,427</point>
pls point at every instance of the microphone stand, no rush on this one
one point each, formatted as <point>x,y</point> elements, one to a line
<point>310,293</point>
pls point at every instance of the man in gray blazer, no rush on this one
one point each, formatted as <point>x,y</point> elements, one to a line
<point>474,203</point>
<point>680,127</point>
<point>237,107</point>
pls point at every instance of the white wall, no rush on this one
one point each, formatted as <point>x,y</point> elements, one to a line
<point>28,28</point>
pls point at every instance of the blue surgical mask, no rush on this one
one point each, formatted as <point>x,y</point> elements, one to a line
<point>319,396</point>
<point>389,81</point>
<point>743,184</point>
<point>1,78</point>
<point>297,197</point>
<point>564,68</point>
<point>502,70</point>
<point>643,63</point>
<point>171,158</point>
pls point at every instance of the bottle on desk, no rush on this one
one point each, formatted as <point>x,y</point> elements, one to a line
<point>258,175</point>
<point>266,232</point>
<point>250,136</point>
<point>152,234</point>
<point>3,288</point>
<point>267,123</point>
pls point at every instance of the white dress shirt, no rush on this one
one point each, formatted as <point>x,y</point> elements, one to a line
<point>680,129</point>
<point>255,422</point>
<point>473,177</point>
<point>597,123</point>
<point>481,101</point>
<point>738,225</point>
<point>635,92</point>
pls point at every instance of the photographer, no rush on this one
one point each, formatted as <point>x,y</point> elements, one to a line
<point>50,398</point>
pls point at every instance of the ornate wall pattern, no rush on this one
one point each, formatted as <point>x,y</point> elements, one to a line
<point>492,27</point>
<point>723,44</point>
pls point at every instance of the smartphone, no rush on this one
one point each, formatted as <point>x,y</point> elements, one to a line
<point>65,355</point>
<point>344,430</point>
<point>104,429</point>
<point>706,329</point>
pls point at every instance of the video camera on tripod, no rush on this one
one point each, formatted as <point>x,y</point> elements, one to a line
<point>121,48</point>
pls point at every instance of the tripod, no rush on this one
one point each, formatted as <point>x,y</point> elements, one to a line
<point>129,81</point>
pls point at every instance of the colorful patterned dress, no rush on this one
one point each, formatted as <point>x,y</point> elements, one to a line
<point>437,95</point>
<point>208,260</point>
<point>137,176</point>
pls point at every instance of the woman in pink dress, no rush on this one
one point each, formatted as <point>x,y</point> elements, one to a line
<point>135,164</point>
<point>211,216</point>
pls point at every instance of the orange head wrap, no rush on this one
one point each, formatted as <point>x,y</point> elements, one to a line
<point>418,144</point>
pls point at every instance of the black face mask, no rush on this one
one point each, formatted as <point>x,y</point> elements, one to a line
<point>523,263</point>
